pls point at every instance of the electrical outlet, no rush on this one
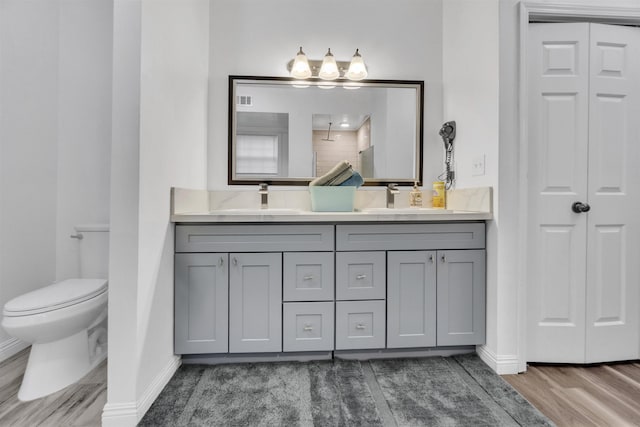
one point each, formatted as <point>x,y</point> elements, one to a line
<point>477,167</point>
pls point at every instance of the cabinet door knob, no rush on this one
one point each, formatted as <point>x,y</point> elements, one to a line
<point>309,277</point>
<point>579,207</point>
<point>361,276</point>
<point>235,261</point>
<point>221,262</point>
<point>443,258</point>
<point>431,258</point>
<point>360,326</point>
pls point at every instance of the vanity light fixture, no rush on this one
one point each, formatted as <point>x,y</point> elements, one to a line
<point>328,69</point>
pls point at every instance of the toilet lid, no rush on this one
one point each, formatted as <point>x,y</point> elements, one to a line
<point>58,295</point>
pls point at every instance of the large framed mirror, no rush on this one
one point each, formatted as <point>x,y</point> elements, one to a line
<point>284,131</point>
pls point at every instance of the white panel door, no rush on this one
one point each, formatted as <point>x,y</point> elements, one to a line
<point>584,134</point>
<point>613,234</point>
<point>558,117</point>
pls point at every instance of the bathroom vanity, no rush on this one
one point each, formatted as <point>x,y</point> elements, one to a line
<point>279,283</point>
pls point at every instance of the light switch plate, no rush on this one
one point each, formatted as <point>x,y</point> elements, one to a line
<point>477,167</point>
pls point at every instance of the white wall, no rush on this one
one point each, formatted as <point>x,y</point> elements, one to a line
<point>159,141</point>
<point>28,129</point>
<point>84,123</point>
<point>259,38</point>
<point>471,98</point>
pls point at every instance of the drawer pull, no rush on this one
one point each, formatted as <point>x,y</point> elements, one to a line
<point>361,276</point>
<point>309,277</point>
<point>360,326</point>
<point>307,327</point>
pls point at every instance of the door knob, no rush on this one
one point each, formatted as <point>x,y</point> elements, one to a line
<point>579,207</point>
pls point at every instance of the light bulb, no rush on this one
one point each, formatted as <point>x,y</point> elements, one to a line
<point>300,68</point>
<point>357,69</point>
<point>329,69</point>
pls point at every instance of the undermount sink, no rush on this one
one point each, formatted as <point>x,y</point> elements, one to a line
<point>256,211</point>
<point>397,211</point>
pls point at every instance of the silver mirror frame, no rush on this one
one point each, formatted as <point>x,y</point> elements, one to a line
<point>419,153</point>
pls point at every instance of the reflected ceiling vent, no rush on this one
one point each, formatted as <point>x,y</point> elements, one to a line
<point>244,100</point>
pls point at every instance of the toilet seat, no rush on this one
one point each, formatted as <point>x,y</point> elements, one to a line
<point>56,296</point>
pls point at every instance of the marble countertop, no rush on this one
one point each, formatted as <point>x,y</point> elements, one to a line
<point>202,206</point>
<point>306,216</point>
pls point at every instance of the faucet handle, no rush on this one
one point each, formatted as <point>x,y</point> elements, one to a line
<point>263,187</point>
<point>393,187</point>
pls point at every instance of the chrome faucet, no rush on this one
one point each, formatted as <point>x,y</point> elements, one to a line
<point>392,190</point>
<point>264,196</point>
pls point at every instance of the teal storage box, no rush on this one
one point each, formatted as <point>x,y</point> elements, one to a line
<point>332,198</point>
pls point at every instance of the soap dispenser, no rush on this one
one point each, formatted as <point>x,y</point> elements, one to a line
<point>415,196</point>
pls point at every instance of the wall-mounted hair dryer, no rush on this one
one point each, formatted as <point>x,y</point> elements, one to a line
<point>448,134</point>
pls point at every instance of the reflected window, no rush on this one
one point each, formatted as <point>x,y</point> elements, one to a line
<point>262,144</point>
<point>257,154</point>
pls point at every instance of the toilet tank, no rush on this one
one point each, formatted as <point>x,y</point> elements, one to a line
<point>94,250</point>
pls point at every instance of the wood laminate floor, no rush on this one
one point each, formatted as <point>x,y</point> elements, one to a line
<point>79,404</point>
<point>594,395</point>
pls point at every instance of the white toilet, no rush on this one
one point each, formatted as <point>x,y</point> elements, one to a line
<point>65,322</point>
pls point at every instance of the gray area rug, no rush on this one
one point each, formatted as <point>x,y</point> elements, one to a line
<point>435,391</point>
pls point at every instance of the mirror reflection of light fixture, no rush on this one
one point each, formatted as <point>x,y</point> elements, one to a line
<point>300,68</point>
<point>328,69</point>
<point>357,69</point>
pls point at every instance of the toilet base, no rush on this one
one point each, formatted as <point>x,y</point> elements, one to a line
<point>57,364</point>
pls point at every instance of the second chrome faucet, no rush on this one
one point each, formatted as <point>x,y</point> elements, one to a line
<point>392,190</point>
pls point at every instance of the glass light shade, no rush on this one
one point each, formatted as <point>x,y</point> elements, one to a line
<point>300,68</point>
<point>329,68</point>
<point>357,69</point>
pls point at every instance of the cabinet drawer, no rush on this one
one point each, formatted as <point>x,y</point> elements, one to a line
<point>308,276</point>
<point>254,238</point>
<point>358,237</point>
<point>360,275</point>
<point>307,326</point>
<point>360,325</point>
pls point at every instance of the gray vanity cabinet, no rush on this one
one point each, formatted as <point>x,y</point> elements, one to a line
<point>255,302</point>
<point>435,284</point>
<point>411,299</point>
<point>201,303</point>
<point>272,288</point>
<point>461,297</point>
<point>251,271</point>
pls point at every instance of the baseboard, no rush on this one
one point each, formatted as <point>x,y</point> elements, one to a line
<point>502,365</point>
<point>153,390</point>
<point>130,413</point>
<point>10,347</point>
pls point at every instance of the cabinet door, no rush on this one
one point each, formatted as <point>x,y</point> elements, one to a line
<point>411,299</point>
<point>201,303</point>
<point>255,302</point>
<point>461,297</point>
